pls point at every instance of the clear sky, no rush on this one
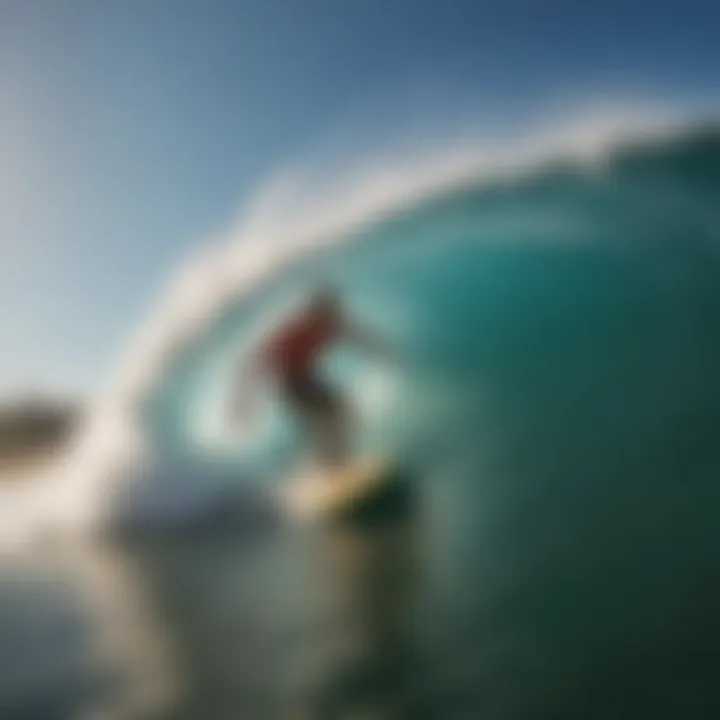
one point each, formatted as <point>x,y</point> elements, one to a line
<point>131,129</point>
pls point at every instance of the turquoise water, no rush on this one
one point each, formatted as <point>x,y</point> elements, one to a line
<point>559,411</point>
<point>570,279</point>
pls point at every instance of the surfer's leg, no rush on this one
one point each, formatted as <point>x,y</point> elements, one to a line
<point>324,413</point>
<point>334,431</point>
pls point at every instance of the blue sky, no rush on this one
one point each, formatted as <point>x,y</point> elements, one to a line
<point>131,130</point>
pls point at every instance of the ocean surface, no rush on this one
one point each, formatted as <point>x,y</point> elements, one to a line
<point>557,408</point>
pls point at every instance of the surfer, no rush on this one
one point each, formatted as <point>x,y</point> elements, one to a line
<point>291,354</point>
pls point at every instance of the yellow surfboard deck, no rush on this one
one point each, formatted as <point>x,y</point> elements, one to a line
<point>328,492</point>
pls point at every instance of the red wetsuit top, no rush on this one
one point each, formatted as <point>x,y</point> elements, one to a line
<point>296,346</point>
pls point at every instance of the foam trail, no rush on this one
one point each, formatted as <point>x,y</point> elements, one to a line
<point>285,222</point>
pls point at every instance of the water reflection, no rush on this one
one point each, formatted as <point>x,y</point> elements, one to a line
<point>81,637</point>
<point>371,573</point>
<point>301,622</point>
<point>279,622</point>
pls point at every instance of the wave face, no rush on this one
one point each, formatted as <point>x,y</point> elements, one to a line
<point>487,288</point>
<point>578,296</point>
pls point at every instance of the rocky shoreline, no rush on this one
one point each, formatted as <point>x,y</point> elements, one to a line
<point>32,432</point>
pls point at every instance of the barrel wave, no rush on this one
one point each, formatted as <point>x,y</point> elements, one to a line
<point>565,298</point>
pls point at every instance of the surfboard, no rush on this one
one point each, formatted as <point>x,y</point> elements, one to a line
<point>319,494</point>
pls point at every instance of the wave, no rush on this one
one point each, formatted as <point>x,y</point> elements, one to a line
<point>291,222</point>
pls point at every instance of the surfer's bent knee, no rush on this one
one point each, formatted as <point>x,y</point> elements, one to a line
<point>310,396</point>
